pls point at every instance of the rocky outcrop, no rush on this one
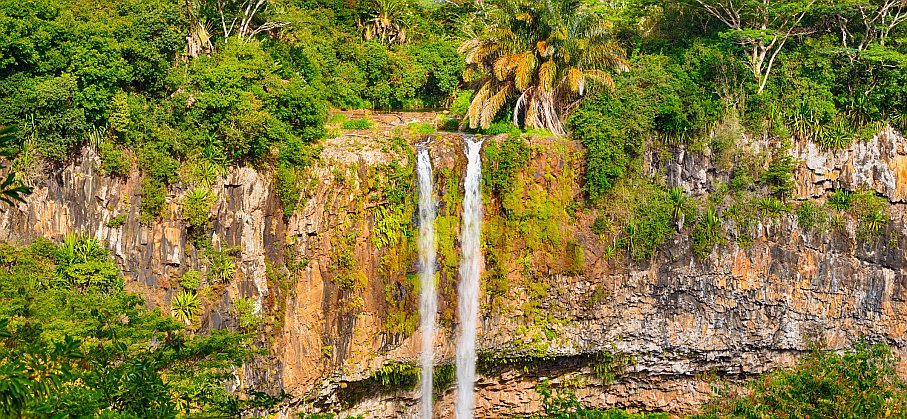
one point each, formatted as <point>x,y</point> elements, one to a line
<point>644,336</point>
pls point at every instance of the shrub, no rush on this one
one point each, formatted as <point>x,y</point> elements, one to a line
<point>287,189</point>
<point>446,123</point>
<point>397,375</point>
<point>82,263</point>
<point>191,280</point>
<point>501,127</point>
<point>114,161</point>
<point>612,149</point>
<point>460,106</point>
<point>503,162</point>
<point>154,196</point>
<point>119,119</point>
<point>707,232</point>
<point>443,377</point>
<point>649,225</point>
<point>779,176</point>
<point>810,216</point>
<point>421,128</point>
<point>601,225</point>
<point>246,313</point>
<point>857,383</point>
<point>659,98</point>
<point>563,404</point>
<point>60,121</point>
<point>196,210</point>
<point>184,306</point>
<point>117,222</point>
<point>302,107</point>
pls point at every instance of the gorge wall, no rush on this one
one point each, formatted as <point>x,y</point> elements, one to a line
<point>334,281</point>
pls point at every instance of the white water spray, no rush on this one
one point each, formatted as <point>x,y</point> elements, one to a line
<point>428,303</point>
<point>468,295</point>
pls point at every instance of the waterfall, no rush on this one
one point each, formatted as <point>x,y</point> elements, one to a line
<point>468,292</point>
<point>428,304</point>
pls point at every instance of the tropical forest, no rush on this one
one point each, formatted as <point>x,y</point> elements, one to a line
<point>522,209</point>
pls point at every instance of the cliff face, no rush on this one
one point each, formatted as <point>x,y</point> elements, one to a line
<point>334,281</point>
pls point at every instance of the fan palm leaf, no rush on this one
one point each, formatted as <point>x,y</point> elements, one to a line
<point>545,55</point>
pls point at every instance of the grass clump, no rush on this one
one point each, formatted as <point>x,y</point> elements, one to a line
<point>356,124</point>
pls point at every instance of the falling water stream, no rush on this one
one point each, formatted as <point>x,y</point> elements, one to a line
<point>428,303</point>
<point>468,293</point>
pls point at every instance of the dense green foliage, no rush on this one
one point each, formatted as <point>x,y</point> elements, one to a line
<point>856,383</point>
<point>124,75</point>
<point>691,75</point>
<point>659,99</point>
<point>73,344</point>
<point>502,163</point>
<point>860,382</point>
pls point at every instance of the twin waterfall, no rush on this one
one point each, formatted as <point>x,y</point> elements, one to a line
<point>468,292</point>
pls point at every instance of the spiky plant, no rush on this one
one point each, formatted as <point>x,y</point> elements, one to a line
<point>802,123</point>
<point>206,172</point>
<point>899,119</point>
<point>707,232</point>
<point>80,248</point>
<point>221,269</point>
<point>629,240</point>
<point>545,55</point>
<point>678,201</point>
<point>860,111</point>
<point>184,306</point>
<point>11,187</point>
<point>841,200</point>
<point>874,221</point>
<point>834,136</point>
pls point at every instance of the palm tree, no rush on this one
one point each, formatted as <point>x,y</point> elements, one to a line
<point>546,53</point>
<point>386,22</point>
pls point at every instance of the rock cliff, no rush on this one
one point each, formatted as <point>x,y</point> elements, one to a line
<point>334,280</point>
